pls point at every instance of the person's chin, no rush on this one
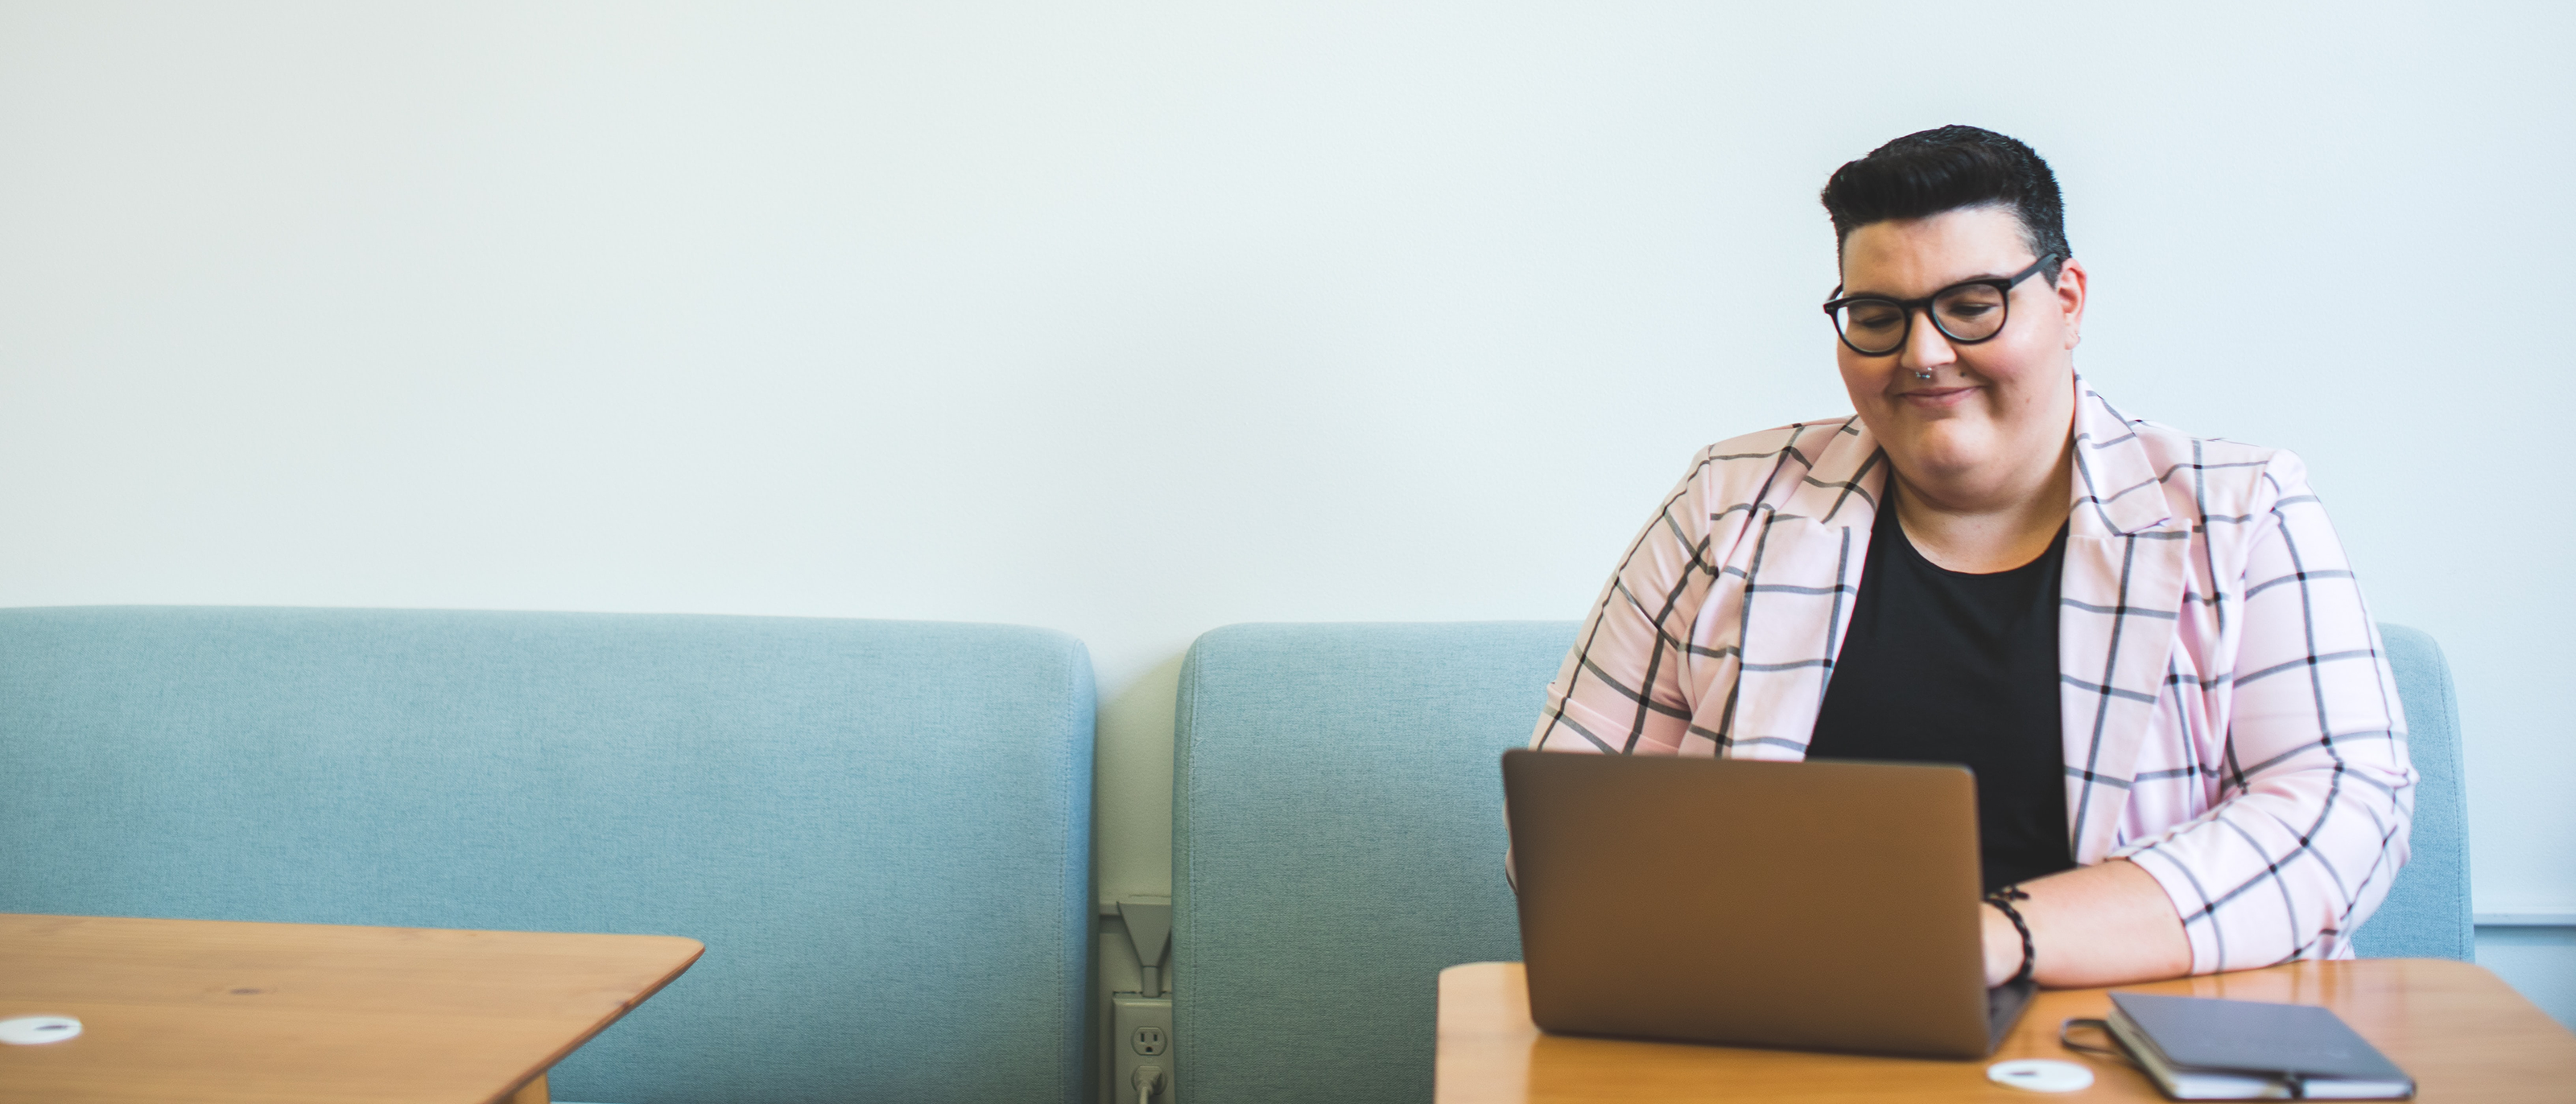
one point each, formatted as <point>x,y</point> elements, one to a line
<point>1931,423</point>
<point>1950,444</point>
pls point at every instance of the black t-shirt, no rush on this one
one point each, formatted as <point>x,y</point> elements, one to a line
<point>1946,667</point>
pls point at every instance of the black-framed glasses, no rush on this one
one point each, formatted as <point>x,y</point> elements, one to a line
<point>1966,312</point>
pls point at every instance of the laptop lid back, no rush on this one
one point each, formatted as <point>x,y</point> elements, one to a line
<point>1825,906</point>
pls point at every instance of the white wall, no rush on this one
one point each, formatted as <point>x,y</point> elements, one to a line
<point>1134,319</point>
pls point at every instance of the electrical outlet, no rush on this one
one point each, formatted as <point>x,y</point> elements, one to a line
<point>1150,1041</point>
<point>1140,1034</point>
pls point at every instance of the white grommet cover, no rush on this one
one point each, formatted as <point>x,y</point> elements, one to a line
<point>30,1030</point>
<point>2040,1075</point>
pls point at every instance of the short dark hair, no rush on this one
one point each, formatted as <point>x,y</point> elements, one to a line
<point>1931,171</point>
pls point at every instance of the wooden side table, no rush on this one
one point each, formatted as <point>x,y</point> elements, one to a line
<point>2462,1032</point>
<point>217,1011</point>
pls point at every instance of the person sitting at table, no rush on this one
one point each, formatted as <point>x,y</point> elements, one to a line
<point>2148,646</point>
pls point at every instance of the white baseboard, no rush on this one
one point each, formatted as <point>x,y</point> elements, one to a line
<point>2525,919</point>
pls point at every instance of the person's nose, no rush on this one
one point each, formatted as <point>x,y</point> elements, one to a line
<point>1926,349</point>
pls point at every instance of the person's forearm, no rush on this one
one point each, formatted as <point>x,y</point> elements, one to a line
<point>2107,924</point>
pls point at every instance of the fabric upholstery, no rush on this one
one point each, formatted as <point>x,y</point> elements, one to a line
<point>2427,913</point>
<point>1338,839</point>
<point>879,829</point>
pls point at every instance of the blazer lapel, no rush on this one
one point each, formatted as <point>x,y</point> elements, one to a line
<point>1801,572</point>
<point>2118,601</point>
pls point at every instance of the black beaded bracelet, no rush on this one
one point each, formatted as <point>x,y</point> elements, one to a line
<point>2003,899</point>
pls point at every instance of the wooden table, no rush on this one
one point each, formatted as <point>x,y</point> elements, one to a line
<point>202,1010</point>
<point>2460,1031</point>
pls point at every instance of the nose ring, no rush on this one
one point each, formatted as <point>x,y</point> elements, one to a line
<point>1923,375</point>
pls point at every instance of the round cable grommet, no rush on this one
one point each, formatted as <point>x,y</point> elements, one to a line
<point>36,1030</point>
<point>2041,1075</point>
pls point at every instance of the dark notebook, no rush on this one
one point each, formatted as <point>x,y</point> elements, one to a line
<point>2202,1049</point>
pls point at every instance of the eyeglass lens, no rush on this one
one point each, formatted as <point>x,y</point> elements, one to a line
<point>1969,312</point>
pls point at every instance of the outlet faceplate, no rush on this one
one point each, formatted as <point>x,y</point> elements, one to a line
<point>1140,1035</point>
<point>1150,1041</point>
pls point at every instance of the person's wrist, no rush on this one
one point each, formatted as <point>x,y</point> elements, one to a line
<point>2018,950</point>
<point>2002,945</point>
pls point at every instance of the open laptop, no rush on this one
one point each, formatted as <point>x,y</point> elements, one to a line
<point>1814,906</point>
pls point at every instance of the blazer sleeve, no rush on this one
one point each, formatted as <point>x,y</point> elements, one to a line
<point>2316,791</point>
<point>1622,688</point>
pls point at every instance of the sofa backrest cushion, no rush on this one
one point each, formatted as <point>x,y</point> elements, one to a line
<point>879,829</point>
<point>1338,838</point>
<point>2426,914</point>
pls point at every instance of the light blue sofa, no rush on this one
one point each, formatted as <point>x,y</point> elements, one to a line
<point>1338,835</point>
<point>2427,913</point>
<point>880,830</point>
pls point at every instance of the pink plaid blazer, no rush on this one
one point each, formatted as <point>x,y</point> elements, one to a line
<point>2230,723</point>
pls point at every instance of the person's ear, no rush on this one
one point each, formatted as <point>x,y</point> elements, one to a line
<point>2070,299</point>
